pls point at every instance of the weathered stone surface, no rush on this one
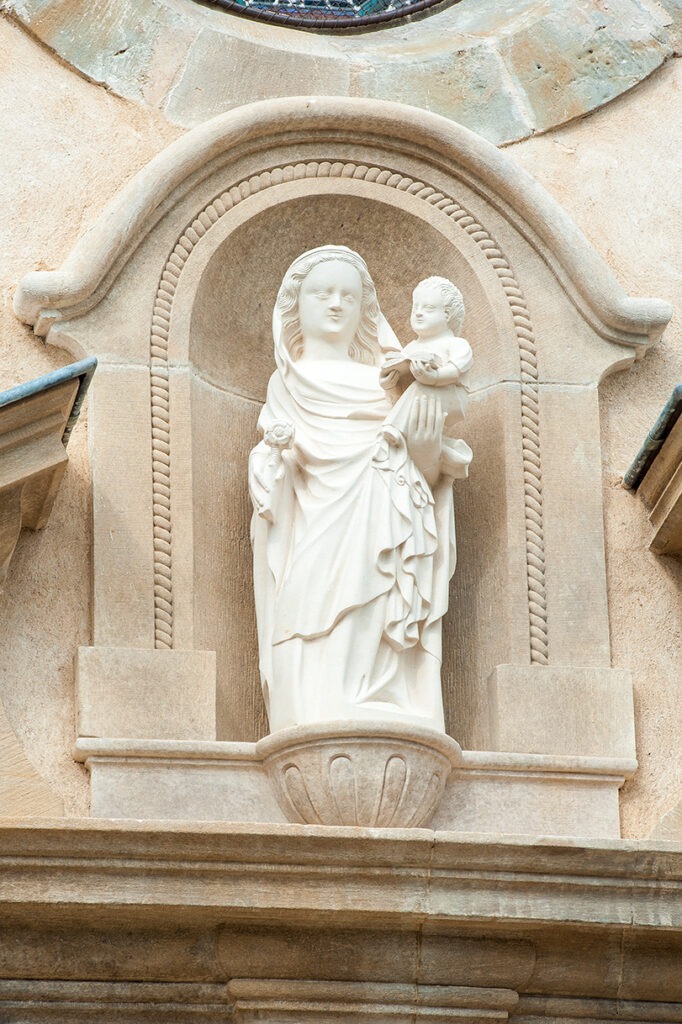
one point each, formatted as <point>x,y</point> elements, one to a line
<point>505,72</point>
<point>471,86</point>
<point>208,904</point>
<point>576,58</point>
<point>23,792</point>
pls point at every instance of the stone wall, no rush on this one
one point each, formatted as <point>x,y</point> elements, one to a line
<point>73,144</point>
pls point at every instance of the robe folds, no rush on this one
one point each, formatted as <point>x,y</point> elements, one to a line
<point>353,554</point>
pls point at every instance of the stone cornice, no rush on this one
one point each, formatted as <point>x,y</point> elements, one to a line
<point>89,901</point>
<point>344,875</point>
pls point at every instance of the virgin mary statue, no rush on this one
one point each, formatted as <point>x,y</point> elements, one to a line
<point>354,540</point>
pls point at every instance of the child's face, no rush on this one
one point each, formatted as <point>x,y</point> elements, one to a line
<point>428,318</point>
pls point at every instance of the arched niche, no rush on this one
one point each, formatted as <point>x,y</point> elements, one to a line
<point>173,290</point>
<point>225,335</point>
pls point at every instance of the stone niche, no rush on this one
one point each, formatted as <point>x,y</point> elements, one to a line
<point>173,289</point>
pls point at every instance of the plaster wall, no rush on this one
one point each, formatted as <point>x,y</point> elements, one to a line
<point>71,144</point>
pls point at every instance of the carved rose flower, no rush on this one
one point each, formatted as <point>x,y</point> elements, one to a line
<point>280,435</point>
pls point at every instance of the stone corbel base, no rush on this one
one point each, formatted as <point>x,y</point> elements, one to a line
<point>489,793</point>
<point>559,745</point>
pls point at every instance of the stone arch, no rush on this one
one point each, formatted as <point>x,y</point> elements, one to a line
<point>506,72</point>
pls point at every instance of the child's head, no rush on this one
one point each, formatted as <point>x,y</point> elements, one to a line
<point>437,305</point>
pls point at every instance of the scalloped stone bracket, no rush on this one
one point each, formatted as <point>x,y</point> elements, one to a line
<point>366,774</point>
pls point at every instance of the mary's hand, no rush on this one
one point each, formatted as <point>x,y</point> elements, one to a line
<point>266,468</point>
<point>389,377</point>
<point>424,435</point>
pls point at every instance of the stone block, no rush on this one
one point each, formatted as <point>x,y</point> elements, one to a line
<point>223,71</point>
<point>150,694</point>
<point>324,1002</point>
<point>566,62</point>
<point>534,795</point>
<point>573,526</point>
<point>123,556</point>
<point>469,85</point>
<point>178,779</point>
<point>574,711</point>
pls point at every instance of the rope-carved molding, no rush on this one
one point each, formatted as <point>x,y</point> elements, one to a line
<point>530,418</point>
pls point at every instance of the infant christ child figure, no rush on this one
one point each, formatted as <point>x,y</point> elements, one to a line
<point>437,358</point>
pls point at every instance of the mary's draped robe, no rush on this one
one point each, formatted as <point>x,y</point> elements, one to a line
<point>353,553</point>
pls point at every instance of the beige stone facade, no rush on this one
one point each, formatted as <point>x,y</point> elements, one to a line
<point>547,883</point>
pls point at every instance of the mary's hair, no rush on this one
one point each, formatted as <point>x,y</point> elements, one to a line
<point>365,346</point>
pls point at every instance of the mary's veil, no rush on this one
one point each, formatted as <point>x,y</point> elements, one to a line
<point>387,341</point>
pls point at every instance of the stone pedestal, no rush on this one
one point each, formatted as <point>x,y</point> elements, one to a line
<point>488,793</point>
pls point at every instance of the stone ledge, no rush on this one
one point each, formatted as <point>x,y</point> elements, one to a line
<point>487,792</point>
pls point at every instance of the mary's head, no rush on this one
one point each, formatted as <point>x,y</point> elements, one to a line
<point>327,305</point>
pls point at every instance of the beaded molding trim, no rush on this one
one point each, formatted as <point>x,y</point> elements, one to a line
<point>530,417</point>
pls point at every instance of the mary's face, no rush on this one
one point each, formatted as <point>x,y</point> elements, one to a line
<point>330,304</point>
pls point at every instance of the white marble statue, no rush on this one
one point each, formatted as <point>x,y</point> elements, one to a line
<point>354,541</point>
